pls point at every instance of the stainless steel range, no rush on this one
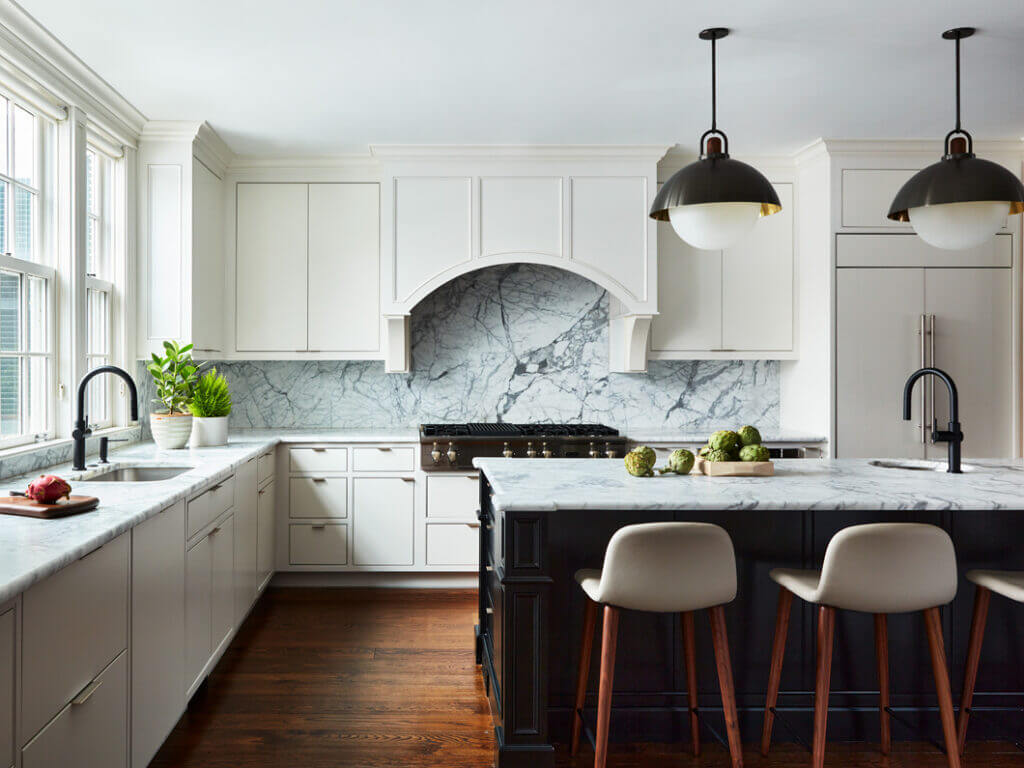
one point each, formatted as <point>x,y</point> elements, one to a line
<point>449,447</point>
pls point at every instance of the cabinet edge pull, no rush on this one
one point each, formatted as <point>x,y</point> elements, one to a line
<point>84,694</point>
<point>383,448</point>
<point>316,480</point>
<point>260,493</point>
<point>216,487</point>
<point>489,568</point>
<point>215,530</point>
<point>489,611</point>
<point>318,526</point>
<point>408,479</point>
<point>473,525</point>
<point>317,450</point>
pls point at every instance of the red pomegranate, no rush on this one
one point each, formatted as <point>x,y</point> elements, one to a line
<point>47,489</point>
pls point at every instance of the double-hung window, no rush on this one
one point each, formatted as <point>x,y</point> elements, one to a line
<point>99,284</point>
<point>27,283</point>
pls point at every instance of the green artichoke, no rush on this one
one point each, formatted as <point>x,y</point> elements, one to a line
<point>640,462</point>
<point>704,451</point>
<point>716,454</point>
<point>753,453</point>
<point>680,461</point>
<point>648,453</point>
<point>749,435</point>
<point>725,440</point>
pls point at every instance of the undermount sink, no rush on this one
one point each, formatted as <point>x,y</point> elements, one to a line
<point>138,474</point>
<point>917,464</point>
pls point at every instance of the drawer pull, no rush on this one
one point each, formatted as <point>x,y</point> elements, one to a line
<point>85,693</point>
<point>408,479</point>
<point>489,611</point>
<point>471,477</point>
<point>489,568</point>
<point>490,526</point>
<point>94,551</point>
<point>260,493</point>
<point>318,526</point>
<point>319,479</point>
<point>379,448</point>
<point>473,525</point>
<point>216,487</point>
<point>319,450</point>
<point>215,530</point>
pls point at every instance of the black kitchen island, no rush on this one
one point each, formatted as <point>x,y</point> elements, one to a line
<point>543,520</point>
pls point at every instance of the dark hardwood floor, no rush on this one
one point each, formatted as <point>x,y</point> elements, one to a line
<point>367,678</point>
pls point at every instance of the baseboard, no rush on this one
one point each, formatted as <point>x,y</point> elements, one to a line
<point>390,580</point>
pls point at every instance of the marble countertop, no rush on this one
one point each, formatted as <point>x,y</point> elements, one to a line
<point>658,436</point>
<point>798,484</point>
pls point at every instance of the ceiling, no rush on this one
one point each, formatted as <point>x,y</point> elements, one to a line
<point>315,77</point>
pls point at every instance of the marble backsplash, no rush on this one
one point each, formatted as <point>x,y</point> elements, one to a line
<point>518,343</point>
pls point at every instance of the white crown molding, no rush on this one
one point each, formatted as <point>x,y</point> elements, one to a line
<point>207,145</point>
<point>931,147</point>
<point>33,50</point>
<point>429,151</point>
<point>680,156</point>
<point>256,162</point>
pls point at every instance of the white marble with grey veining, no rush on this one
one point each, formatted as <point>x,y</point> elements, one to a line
<point>798,484</point>
<point>692,436</point>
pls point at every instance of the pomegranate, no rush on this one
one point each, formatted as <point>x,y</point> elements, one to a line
<point>47,489</point>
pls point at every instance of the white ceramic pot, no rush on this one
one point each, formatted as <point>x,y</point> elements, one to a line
<point>170,430</point>
<point>209,430</point>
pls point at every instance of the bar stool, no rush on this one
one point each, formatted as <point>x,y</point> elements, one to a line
<point>879,568</point>
<point>1009,584</point>
<point>662,568</point>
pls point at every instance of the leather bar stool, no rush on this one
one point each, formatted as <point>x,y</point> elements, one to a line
<point>1009,584</point>
<point>663,568</point>
<point>879,568</point>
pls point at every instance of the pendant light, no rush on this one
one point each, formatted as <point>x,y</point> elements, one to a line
<point>960,201</point>
<point>715,201</point>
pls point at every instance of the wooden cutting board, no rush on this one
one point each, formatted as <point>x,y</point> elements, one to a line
<point>735,468</point>
<point>21,505</point>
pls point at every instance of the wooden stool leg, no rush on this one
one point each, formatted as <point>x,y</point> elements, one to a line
<point>609,638</point>
<point>823,677</point>
<point>583,672</point>
<point>775,675</point>
<point>720,639</point>
<point>882,656</point>
<point>690,660</point>
<point>938,652</point>
<point>980,616</point>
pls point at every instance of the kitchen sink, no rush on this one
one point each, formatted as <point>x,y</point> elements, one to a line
<point>917,464</point>
<point>137,474</point>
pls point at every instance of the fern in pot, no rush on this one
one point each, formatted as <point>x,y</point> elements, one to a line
<point>174,374</point>
<point>210,406</point>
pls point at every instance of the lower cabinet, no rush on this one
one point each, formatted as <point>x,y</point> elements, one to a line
<point>265,532</point>
<point>318,544</point>
<point>382,520</point>
<point>209,599</point>
<point>453,543</point>
<point>246,537</point>
<point>158,630</point>
<point>7,662</point>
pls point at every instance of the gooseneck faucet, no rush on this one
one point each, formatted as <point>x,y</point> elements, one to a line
<point>82,430</point>
<point>952,435</point>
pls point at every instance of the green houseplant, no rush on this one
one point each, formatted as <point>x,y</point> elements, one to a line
<point>174,375</point>
<point>210,406</point>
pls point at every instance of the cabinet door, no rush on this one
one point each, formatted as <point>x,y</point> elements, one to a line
<point>689,296</point>
<point>878,346</point>
<point>222,600</point>
<point>344,267</point>
<point>7,660</point>
<point>265,535</point>
<point>246,537</point>
<point>207,259</point>
<point>757,283</point>
<point>158,630</point>
<point>270,267</point>
<point>382,509</point>
<point>973,343</point>
<point>198,586</point>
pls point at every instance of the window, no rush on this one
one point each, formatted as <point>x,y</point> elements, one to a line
<point>99,285</point>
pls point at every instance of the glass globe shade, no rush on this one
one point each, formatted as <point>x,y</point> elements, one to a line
<point>955,226</point>
<point>714,226</point>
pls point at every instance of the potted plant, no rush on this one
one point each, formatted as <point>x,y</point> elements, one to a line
<point>210,406</point>
<point>174,375</point>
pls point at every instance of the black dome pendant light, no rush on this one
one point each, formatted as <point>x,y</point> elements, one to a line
<point>714,201</point>
<point>960,201</point>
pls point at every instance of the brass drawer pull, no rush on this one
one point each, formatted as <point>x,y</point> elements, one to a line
<point>408,479</point>
<point>319,450</point>
<point>379,448</point>
<point>217,487</point>
<point>84,695</point>
<point>489,611</point>
<point>489,568</point>
<point>473,525</point>
<point>318,526</point>
<point>215,530</point>
<point>319,479</point>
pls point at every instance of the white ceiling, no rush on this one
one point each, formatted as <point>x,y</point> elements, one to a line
<point>325,77</point>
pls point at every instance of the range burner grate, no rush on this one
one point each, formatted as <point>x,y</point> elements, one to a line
<point>501,429</point>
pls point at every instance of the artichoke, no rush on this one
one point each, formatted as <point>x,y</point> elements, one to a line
<point>725,440</point>
<point>680,461</point>
<point>703,452</point>
<point>648,453</point>
<point>753,453</point>
<point>640,462</point>
<point>716,454</point>
<point>749,435</point>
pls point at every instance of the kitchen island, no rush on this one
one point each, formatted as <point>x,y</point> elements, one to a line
<point>543,520</point>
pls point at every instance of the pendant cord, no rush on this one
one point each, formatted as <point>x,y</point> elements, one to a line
<point>714,89</point>
<point>958,84</point>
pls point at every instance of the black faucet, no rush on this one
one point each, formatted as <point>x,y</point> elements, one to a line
<point>952,435</point>
<point>82,430</point>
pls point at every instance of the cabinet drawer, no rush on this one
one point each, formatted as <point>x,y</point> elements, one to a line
<point>92,730</point>
<point>317,497</point>
<point>453,543</point>
<point>75,623</point>
<point>209,505</point>
<point>318,459</point>
<point>318,544</point>
<point>383,459</point>
<point>264,467</point>
<point>453,496</point>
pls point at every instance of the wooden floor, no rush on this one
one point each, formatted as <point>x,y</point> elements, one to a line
<point>366,678</point>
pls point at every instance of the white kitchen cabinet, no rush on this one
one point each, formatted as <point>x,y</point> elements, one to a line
<point>521,215</point>
<point>453,544</point>
<point>382,519</point>
<point>8,661</point>
<point>246,522</point>
<point>319,459</point>
<point>318,544</point>
<point>222,581</point>
<point>383,459</point>
<point>158,630</point>
<point>689,296</point>
<point>206,507</point>
<point>265,534</point>
<point>198,611</point>
<point>867,193</point>
<point>317,497</point>
<point>453,496</point>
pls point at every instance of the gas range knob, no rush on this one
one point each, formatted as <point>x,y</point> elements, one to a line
<point>530,452</point>
<point>452,455</point>
<point>545,451</point>
<point>594,453</point>
<point>506,451</point>
<point>609,452</point>
<point>435,454</point>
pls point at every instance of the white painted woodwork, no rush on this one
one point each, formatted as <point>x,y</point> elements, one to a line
<point>318,544</point>
<point>73,625</point>
<point>7,705</point>
<point>383,513</point>
<point>397,350</point>
<point>690,296</point>
<point>222,598</point>
<point>609,229</point>
<point>383,459</point>
<point>453,544</point>
<point>433,229</point>
<point>867,194</point>
<point>207,279</point>
<point>317,497</point>
<point>265,466</point>
<point>521,215</point>
<point>265,534</point>
<point>628,342</point>
<point>453,496</point>
<point>209,505</point>
<point>271,267</point>
<point>891,250</point>
<point>158,630</point>
<point>246,524</point>
<point>90,734</point>
<point>164,246</point>
<point>344,267</point>
<point>198,610</point>
<point>318,459</point>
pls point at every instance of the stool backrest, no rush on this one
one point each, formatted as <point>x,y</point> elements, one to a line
<point>888,568</point>
<point>669,567</point>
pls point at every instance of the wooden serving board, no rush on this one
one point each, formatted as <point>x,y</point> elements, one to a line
<point>735,468</point>
<point>24,506</point>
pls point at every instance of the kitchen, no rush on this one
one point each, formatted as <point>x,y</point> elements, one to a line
<point>327,389</point>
